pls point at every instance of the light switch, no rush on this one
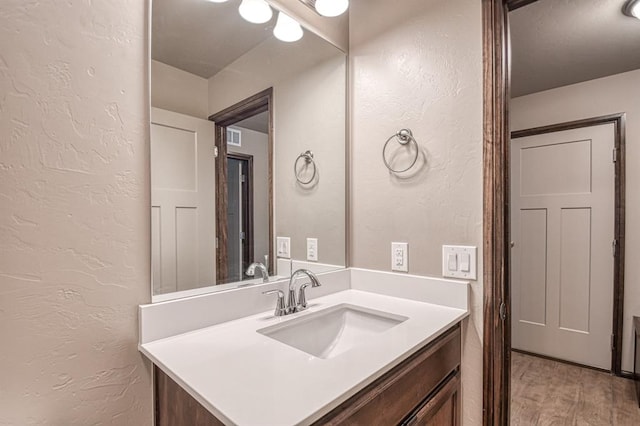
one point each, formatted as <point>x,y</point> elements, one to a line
<point>400,257</point>
<point>452,262</point>
<point>459,262</point>
<point>465,264</point>
<point>283,247</point>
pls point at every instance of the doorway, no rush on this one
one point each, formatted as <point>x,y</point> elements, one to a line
<point>240,234</point>
<point>244,145</point>
<point>564,241</point>
<point>498,202</point>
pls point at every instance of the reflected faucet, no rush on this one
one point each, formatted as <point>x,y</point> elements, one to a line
<point>301,304</point>
<point>251,271</point>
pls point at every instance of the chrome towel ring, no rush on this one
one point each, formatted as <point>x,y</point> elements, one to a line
<point>308,159</point>
<point>404,136</point>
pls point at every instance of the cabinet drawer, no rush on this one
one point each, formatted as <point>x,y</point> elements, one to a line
<point>443,409</point>
<point>391,398</point>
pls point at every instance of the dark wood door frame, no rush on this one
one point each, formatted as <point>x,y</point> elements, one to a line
<point>497,323</point>
<point>247,211</point>
<point>496,226</point>
<point>618,120</point>
<point>246,108</point>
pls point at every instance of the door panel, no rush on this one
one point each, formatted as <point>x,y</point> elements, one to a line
<point>533,267</point>
<point>562,219</point>
<point>575,269</point>
<point>183,202</point>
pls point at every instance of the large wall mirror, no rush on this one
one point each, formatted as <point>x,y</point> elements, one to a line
<point>248,150</point>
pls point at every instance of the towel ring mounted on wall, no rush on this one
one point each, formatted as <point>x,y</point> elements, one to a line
<point>404,136</point>
<point>308,159</point>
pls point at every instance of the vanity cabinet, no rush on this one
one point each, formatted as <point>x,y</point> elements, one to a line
<point>422,390</point>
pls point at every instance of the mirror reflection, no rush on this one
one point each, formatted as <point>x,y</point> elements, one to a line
<point>247,150</point>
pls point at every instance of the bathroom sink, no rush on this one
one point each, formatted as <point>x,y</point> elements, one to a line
<point>332,331</point>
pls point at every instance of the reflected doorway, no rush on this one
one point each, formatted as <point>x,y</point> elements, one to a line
<point>244,193</point>
<point>240,235</point>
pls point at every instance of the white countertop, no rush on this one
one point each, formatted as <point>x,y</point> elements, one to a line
<point>245,378</point>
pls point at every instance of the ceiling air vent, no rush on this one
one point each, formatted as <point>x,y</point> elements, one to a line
<point>234,137</point>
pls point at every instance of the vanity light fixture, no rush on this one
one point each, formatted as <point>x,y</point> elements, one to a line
<point>218,1</point>
<point>255,11</point>
<point>287,29</point>
<point>331,8</point>
<point>632,9</point>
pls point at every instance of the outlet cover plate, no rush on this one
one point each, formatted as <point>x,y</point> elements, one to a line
<point>400,257</point>
<point>464,255</point>
<point>312,249</point>
<point>283,247</point>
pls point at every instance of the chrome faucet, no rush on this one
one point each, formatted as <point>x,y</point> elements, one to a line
<point>301,304</point>
<point>251,271</point>
<point>292,305</point>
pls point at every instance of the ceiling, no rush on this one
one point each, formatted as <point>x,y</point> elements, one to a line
<point>258,123</point>
<point>561,42</point>
<point>202,37</point>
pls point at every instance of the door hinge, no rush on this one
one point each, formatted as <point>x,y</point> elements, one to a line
<point>215,151</point>
<point>613,345</point>
<point>614,247</point>
<point>615,154</point>
<point>503,311</point>
<point>243,179</point>
<point>242,235</point>
<point>216,242</point>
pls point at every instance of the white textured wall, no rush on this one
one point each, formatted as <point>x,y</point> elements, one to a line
<point>609,95</point>
<point>310,115</point>
<point>179,91</point>
<point>74,212</point>
<point>418,64</point>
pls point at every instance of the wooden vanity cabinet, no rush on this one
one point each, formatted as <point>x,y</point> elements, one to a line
<point>423,390</point>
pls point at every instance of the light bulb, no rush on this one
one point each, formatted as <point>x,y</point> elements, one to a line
<point>632,9</point>
<point>331,7</point>
<point>255,11</point>
<point>287,29</point>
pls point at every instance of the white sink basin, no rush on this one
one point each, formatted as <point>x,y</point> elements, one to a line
<point>332,331</point>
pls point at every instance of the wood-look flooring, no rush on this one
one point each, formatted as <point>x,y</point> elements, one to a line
<point>545,392</point>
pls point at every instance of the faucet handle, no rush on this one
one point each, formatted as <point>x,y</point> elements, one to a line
<point>280,308</point>
<point>302,298</point>
<point>251,270</point>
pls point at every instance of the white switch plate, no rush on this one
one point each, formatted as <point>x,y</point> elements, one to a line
<point>312,249</point>
<point>400,257</point>
<point>459,262</point>
<point>283,247</point>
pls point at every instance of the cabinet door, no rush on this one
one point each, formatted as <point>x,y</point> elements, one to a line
<point>441,410</point>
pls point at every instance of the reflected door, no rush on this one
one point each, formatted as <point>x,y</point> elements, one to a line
<point>182,202</point>
<point>235,230</point>
<point>240,232</point>
<point>562,224</point>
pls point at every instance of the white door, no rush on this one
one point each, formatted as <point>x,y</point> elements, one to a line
<point>562,226</point>
<point>182,202</point>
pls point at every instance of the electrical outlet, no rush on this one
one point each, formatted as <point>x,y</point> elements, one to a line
<point>400,257</point>
<point>283,247</point>
<point>312,249</point>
